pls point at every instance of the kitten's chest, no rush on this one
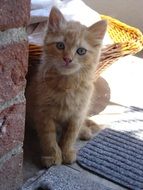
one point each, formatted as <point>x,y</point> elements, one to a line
<point>71,100</point>
<point>63,101</point>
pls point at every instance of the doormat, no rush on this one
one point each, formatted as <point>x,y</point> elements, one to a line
<point>117,152</point>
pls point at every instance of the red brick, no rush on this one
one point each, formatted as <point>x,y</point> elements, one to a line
<point>11,173</point>
<point>14,13</point>
<point>13,68</point>
<point>12,127</point>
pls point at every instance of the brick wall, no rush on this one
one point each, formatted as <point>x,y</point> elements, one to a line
<point>14,15</point>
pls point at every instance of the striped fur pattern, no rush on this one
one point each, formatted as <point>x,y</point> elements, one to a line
<point>59,96</point>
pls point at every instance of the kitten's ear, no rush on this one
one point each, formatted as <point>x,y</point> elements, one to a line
<point>56,20</point>
<point>99,29</point>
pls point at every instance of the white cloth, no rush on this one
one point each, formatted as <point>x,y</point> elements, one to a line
<point>72,10</point>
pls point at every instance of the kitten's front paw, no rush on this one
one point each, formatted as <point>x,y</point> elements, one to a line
<point>53,158</point>
<point>69,156</point>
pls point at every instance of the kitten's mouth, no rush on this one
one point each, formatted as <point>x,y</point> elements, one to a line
<point>67,66</point>
<point>68,69</point>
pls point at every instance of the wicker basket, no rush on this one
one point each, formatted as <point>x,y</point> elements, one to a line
<point>127,40</point>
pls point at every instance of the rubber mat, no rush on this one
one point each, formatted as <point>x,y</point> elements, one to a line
<point>117,152</point>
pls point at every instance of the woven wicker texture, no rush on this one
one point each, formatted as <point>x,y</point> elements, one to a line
<point>123,33</point>
<point>127,40</point>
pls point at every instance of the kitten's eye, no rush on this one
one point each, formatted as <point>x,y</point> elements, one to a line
<point>60,45</point>
<point>81,51</point>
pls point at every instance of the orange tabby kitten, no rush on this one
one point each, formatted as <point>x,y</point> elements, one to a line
<point>59,95</point>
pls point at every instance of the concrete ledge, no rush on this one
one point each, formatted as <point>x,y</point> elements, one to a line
<point>13,35</point>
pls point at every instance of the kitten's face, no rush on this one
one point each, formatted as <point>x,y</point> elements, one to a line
<point>71,47</point>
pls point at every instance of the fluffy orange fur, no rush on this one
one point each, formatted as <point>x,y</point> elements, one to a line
<point>59,96</point>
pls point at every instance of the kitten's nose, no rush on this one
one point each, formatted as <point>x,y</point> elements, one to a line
<point>67,60</point>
